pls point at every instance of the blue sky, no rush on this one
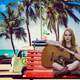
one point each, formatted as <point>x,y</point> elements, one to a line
<point>3,4</point>
<point>7,1</point>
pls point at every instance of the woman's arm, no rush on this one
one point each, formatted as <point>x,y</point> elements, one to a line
<point>77,54</point>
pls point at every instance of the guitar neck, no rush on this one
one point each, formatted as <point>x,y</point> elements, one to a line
<point>72,52</point>
<point>56,43</point>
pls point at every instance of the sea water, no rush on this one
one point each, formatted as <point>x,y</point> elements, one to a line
<point>7,52</point>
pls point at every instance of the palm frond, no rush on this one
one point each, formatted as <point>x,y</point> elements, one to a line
<point>4,16</point>
<point>71,14</point>
<point>32,14</point>
<point>4,34</point>
<point>20,9</point>
<point>63,19</point>
<point>72,3</point>
<point>49,26</point>
<point>10,12</point>
<point>75,4</point>
<point>32,9</point>
<point>20,33</point>
<point>17,23</point>
<point>24,38</point>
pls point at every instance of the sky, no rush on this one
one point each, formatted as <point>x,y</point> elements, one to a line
<point>4,3</point>
<point>35,30</point>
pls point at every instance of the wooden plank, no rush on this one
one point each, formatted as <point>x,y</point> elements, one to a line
<point>34,59</point>
<point>36,67</point>
<point>34,55</point>
<point>41,74</point>
<point>34,51</point>
<point>34,63</point>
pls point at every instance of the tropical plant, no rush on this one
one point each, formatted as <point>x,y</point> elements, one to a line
<point>58,12</point>
<point>12,26</point>
<point>31,8</point>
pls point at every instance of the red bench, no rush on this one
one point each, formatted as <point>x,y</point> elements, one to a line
<point>35,70</point>
<point>34,67</point>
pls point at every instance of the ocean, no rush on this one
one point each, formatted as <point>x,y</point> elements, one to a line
<point>8,52</point>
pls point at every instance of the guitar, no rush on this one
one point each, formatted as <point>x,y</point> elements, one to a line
<point>56,43</point>
<point>54,49</point>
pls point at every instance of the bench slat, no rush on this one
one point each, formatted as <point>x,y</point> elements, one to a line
<point>36,67</point>
<point>34,51</point>
<point>34,59</point>
<point>40,74</point>
<point>34,55</point>
<point>34,63</point>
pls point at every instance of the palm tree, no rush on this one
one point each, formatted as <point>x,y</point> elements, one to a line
<point>32,11</point>
<point>57,14</point>
<point>74,3</point>
<point>12,26</point>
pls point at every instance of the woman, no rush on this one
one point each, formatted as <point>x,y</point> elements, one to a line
<point>71,63</point>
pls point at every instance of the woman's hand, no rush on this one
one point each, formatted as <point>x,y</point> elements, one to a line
<point>77,55</point>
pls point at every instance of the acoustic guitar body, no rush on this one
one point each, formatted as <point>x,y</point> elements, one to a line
<point>49,53</point>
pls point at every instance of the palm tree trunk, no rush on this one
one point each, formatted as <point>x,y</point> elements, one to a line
<point>27,23</point>
<point>57,31</point>
<point>56,36</point>
<point>12,44</point>
<point>41,20</point>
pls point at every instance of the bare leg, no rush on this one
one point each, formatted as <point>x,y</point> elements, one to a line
<point>57,66</point>
<point>73,66</point>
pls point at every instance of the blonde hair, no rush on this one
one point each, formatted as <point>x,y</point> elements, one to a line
<point>73,43</point>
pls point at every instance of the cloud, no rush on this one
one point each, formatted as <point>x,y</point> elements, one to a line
<point>2,7</point>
